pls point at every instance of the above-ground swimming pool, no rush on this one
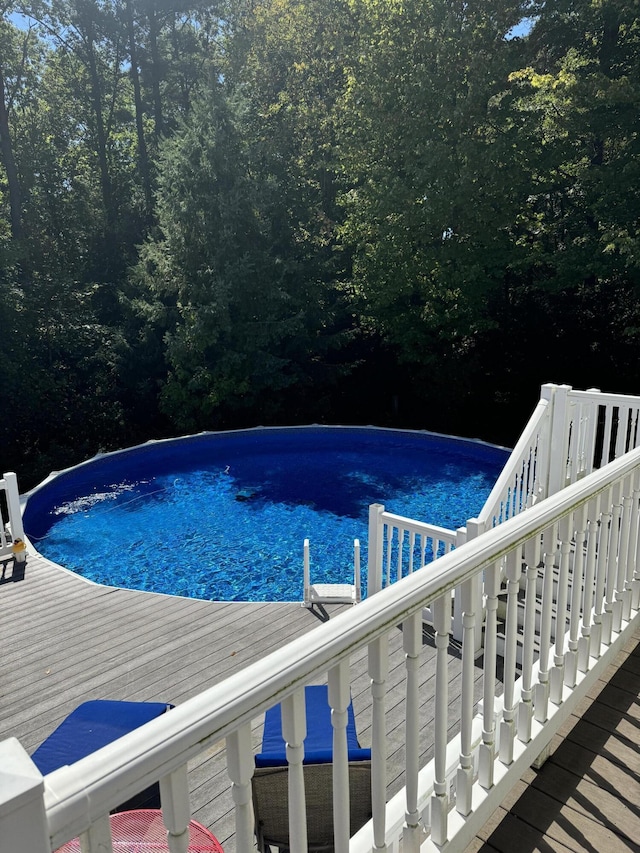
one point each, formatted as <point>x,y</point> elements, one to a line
<point>223,516</point>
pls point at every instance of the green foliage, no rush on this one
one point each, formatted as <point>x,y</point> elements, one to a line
<point>431,194</point>
<point>227,272</point>
<point>291,210</point>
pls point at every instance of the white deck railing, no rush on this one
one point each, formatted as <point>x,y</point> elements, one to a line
<point>570,434</point>
<point>592,589</point>
<point>10,515</point>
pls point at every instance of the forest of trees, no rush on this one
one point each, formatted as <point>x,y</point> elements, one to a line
<point>218,215</point>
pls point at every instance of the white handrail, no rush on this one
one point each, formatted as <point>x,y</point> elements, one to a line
<point>79,795</point>
<point>515,488</point>
<point>402,545</point>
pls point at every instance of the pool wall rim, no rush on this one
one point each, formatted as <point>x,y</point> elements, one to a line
<point>53,475</point>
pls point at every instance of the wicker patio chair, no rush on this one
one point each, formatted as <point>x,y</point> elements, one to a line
<point>270,780</point>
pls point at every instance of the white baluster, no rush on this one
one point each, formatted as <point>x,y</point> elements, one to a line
<point>606,442</point>
<point>98,838</point>
<point>464,775</point>
<point>378,670</point>
<point>339,698</point>
<point>591,412</point>
<point>635,432</point>
<point>426,539</point>
<point>616,512</point>
<point>306,579</point>
<point>240,770</point>
<point>412,545</point>
<point>571,657</point>
<point>507,726</point>
<point>556,676</point>
<point>550,547</point>
<point>600,580</point>
<point>390,530</point>
<point>621,436</point>
<point>440,798</point>
<point>525,706</point>
<point>606,537</point>
<point>533,476</point>
<point>581,571</point>
<point>176,809</point>
<point>294,731</point>
<point>633,541</point>
<point>487,751</point>
<point>412,642</point>
<point>401,534</point>
<point>635,581</point>
<point>623,593</point>
<point>592,529</point>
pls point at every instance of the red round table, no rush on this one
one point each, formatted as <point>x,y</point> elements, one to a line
<point>143,831</point>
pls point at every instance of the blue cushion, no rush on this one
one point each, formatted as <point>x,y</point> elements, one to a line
<point>318,744</point>
<point>91,726</point>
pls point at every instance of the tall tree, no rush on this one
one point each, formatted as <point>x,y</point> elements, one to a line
<point>8,161</point>
<point>143,157</point>
<point>15,58</point>
<point>576,106</point>
<point>431,184</point>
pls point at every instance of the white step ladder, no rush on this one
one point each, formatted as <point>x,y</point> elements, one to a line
<point>332,593</point>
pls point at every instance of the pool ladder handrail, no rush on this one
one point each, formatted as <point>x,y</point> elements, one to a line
<point>332,593</point>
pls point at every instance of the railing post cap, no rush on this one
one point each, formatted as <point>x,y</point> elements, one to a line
<point>20,780</point>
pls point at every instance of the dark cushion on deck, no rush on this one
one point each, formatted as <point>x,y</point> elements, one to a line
<point>318,744</point>
<point>91,726</point>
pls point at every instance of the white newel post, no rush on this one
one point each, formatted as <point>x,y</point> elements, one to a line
<point>13,506</point>
<point>374,560</point>
<point>23,820</point>
<point>558,454</point>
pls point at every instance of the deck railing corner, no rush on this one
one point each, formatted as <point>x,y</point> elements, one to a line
<point>23,817</point>
<point>11,529</point>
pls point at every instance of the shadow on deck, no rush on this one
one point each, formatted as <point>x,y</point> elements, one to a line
<point>65,640</point>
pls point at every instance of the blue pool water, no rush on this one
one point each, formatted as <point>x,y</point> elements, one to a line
<point>223,516</point>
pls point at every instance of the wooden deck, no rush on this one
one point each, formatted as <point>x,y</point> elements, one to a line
<point>586,797</point>
<point>64,641</point>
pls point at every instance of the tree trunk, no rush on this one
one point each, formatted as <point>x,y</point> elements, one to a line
<point>101,138</point>
<point>143,158</point>
<point>6,152</point>
<point>155,71</point>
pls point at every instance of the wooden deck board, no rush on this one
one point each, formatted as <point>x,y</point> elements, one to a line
<point>65,640</point>
<point>586,797</point>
